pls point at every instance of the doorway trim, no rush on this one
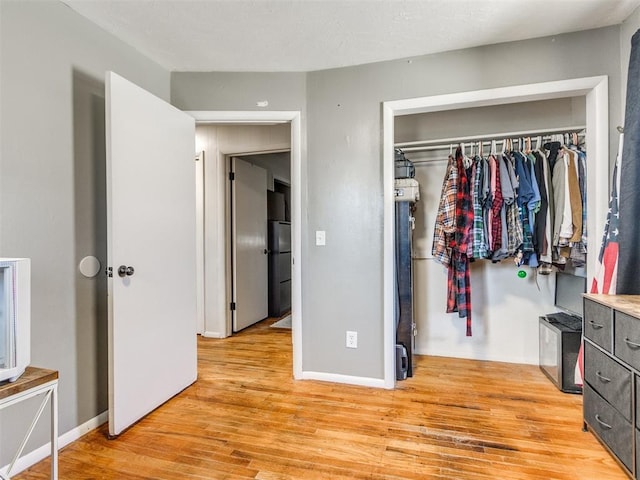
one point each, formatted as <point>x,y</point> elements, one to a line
<point>200,241</point>
<point>274,117</point>
<point>596,91</point>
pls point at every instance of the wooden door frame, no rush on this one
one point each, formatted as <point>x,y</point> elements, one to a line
<point>596,92</point>
<point>294,119</point>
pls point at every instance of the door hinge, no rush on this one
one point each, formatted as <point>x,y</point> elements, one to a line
<point>109,272</point>
<point>232,305</point>
<point>232,176</point>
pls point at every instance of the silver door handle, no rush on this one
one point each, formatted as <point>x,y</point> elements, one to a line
<point>123,271</point>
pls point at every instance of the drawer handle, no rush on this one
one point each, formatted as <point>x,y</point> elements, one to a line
<point>605,425</point>
<point>604,379</point>
<point>595,325</point>
<point>631,344</point>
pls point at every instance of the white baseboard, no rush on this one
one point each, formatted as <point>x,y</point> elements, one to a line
<point>435,352</point>
<point>44,451</point>
<point>337,378</point>
<point>207,334</point>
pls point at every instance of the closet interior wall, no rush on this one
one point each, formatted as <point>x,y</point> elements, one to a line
<point>505,308</point>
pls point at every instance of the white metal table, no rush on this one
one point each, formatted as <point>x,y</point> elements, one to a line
<point>33,382</point>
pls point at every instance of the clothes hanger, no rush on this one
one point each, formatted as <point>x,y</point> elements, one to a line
<point>493,147</point>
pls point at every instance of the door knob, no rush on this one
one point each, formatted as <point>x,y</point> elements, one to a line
<point>123,271</point>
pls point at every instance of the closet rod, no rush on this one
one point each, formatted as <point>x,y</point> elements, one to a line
<point>491,136</point>
<point>484,142</point>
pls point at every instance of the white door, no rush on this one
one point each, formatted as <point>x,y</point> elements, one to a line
<point>250,255</point>
<point>151,241</point>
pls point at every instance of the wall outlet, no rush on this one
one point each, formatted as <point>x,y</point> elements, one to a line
<point>352,339</point>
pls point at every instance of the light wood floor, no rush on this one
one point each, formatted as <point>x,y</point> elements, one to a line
<point>246,418</point>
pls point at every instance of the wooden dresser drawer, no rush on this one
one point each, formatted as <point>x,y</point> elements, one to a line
<point>627,339</point>
<point>610,379</point>
<point>606,422</point>
<point>597,324</point>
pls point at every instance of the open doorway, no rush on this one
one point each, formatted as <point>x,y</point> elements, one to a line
<point>218,319</point>
<point>259,246</point>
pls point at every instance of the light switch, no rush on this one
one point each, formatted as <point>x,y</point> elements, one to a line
<point>321,237</point>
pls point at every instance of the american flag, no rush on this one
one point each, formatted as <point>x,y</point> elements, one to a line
<point>607,268</point>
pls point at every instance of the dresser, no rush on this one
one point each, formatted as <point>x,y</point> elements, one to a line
<point>611,403</point>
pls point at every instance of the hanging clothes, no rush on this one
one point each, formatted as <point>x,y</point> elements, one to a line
<point>459,282</point>
<point>547,251</point>
<point>574,197</point>
<point>445,225</point>
<point>562,225</point>
<point>508,196</point>
<point>526,200</point>
<point>529,205</point>
<point>539,238</point>
<point>479,192</point>
<point>496,208</point>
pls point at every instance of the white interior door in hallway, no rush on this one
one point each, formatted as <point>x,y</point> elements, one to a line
<point>151,249</point>
<point>249,243</point>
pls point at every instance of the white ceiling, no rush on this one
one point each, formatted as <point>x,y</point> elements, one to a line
<point>307,35</point>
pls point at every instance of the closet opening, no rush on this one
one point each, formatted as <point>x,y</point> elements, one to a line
<point>505,307</point>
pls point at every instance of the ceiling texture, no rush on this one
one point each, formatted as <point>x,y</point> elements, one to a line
<point>308,35</point>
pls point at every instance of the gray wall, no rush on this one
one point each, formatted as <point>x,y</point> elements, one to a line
<point>544,114</point>
<point>238,91</point>
<point>342,175</point>
<point>52,193</point>
<point>344,162</point>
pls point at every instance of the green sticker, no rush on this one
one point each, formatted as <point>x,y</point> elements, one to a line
<point>522,273</point>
